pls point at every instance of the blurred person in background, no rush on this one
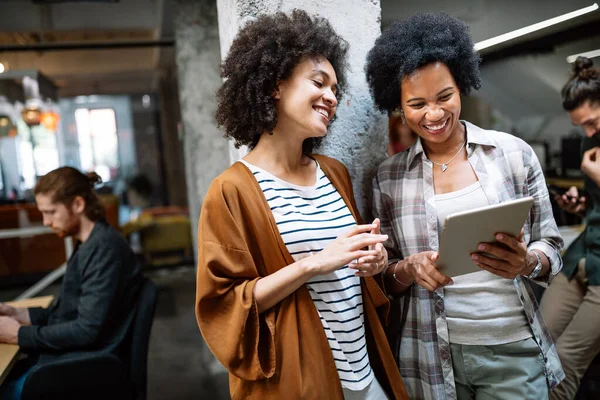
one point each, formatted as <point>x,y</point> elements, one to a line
<point>571,306</point>
<point>400,135</point>
<point>139,192</point>
<point>99,288</point>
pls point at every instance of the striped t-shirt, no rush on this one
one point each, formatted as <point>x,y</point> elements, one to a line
<point>309,218</point>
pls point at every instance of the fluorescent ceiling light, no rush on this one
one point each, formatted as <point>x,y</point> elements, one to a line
<point>588,54</point>
<point>535,27</point>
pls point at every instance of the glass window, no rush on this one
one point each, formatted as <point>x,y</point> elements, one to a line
<point>98,143</point>
<point>38,153</point>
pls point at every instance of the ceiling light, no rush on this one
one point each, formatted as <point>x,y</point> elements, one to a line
<point>32,112</point>
<point>145,101</point>
<point>2,68</point>
<point>588,54</point>
<point>535,27</point>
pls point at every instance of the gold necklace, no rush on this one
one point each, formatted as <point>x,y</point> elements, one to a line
<point>445,165</point>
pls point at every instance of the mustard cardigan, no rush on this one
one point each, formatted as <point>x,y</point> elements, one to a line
<point>282,353</point>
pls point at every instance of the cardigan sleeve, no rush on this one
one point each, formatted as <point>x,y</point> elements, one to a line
<point>242,339</point>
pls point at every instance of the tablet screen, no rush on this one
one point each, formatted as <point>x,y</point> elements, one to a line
<point>463,231</point>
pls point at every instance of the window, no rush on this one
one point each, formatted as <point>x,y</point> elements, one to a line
<point>98,143</point>
<point>37,150</point>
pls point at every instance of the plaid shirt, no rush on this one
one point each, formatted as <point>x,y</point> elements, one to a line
<point>507,168</point>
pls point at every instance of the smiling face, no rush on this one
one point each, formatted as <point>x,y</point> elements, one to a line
<point>306,102</point>
<point>430,100</point>
<point>587,116</point>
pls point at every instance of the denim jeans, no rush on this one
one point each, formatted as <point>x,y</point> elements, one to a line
<point>12,387</point>
<point>507,371</point>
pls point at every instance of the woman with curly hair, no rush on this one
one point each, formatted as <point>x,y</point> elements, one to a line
<point>571,306</point>
<point>477,335</point>
<point>285,295</point>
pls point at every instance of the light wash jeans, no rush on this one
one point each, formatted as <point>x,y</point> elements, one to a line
<point>507,371</point>
<point>373,391</point>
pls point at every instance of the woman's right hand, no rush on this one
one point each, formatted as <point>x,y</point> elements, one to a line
<point>424,271</point>
<point>346,248</point>
<point>571,201</point>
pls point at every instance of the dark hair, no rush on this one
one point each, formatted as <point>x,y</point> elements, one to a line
<point>264,53</point>
<point>582,86</point>
<point>66,183</point>
<point>141,184</point>
<point>419,40</point>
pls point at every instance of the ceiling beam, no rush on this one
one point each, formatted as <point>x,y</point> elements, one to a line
<point>43,47</point>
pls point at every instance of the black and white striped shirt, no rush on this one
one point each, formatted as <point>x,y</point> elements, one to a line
<point>309,218</point>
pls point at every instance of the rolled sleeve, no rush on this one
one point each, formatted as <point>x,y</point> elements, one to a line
<point>551,253</point>
<point>545,236</point>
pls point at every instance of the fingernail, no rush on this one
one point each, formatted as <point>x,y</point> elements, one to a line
<point>451,282</point>
<point>481,247</point>
<point>474,257</point>
<point>499,237</point>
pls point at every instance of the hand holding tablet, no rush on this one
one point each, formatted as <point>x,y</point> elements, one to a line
<point>506,258</point>
<point>465,232</point>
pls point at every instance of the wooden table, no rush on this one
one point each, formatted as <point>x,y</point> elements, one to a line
<point>565,183</point>
<point>52,276</point>
<point>9,353</point>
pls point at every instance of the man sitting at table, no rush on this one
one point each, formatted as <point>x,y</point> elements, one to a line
<point>99,288</point>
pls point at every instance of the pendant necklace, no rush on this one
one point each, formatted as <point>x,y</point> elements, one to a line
<point>445,165</point>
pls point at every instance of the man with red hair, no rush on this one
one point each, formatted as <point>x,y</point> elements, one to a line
<point>99,289</point>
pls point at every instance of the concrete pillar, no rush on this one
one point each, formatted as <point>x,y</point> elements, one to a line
<point>197,56</point>
<point>206,152</point>
<point>359,136</point>
<point>172,147</point>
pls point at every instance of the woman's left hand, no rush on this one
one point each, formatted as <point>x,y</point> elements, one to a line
<point>511,256</point>
<point>369,266</point>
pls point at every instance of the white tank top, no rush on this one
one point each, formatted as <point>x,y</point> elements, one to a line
<point>481,308</point>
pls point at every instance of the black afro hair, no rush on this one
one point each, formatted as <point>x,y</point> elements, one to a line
<point>264,53</point>
<point>414,42</point>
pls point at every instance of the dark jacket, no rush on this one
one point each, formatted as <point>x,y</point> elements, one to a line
<point>99,292</point>
<point>588,243</point>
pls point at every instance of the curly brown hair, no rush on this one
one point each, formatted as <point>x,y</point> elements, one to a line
<point>264,53</point>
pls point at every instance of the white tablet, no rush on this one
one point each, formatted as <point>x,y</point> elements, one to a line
<point>463,231</point>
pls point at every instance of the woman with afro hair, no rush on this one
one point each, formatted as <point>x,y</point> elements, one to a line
<point>478,335</point>
<point>286,298</point>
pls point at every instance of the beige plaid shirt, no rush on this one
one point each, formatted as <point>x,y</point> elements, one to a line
<point>507,168</point>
